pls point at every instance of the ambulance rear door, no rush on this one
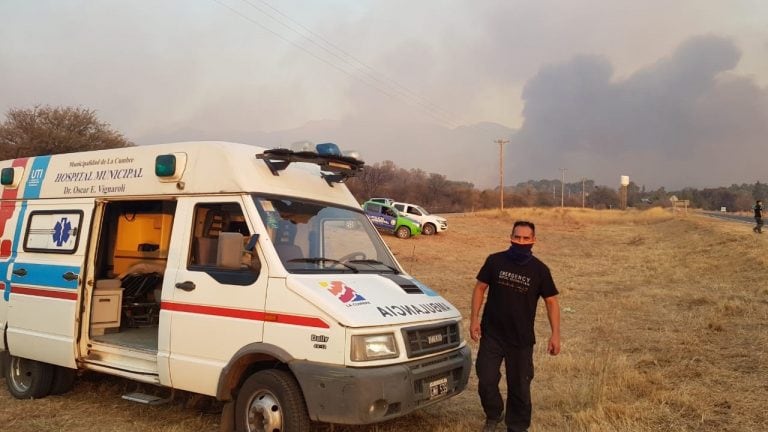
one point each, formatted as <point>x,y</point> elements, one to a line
<point>45,279</point>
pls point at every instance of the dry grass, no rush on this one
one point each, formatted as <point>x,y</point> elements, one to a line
<point>664,329</point>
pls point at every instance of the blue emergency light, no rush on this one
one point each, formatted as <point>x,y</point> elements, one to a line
<point>165,165</point>
<point>328,149</point>
<point>6,176</point>
<point>11,176</point>
<point>170,167</point>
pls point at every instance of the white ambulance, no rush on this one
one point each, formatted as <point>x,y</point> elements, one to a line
<point>223,269</point>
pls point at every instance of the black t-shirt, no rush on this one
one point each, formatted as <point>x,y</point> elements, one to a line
<point>758,210</point>
<point>513,293</point>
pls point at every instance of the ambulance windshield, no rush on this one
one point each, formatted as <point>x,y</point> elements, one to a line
<point>313,237</point>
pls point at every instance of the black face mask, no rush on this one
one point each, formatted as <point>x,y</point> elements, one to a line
<point>520,253</point>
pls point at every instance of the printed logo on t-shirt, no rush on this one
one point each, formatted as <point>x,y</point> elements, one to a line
<point>517,282</point>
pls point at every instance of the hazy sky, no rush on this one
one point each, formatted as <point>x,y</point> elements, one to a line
<point>670,93</point>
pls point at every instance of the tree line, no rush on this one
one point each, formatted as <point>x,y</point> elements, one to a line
<point>44,130</point>
<point>439,194</point>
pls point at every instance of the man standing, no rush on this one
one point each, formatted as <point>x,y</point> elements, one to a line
<point>515,280</point>
<point>758,208</point>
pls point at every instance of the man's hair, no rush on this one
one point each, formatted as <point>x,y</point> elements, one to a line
<point>524,224</point>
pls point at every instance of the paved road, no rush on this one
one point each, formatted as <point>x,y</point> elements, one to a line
<point>730,217</point>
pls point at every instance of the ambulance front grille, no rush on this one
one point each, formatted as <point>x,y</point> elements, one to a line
<point>425,340</point>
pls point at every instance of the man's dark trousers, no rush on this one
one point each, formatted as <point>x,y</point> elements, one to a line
<point>519,370</point>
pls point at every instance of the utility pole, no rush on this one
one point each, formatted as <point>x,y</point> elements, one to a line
<point>562,188</point>
<point>582,192</point>
<point>501,143</point>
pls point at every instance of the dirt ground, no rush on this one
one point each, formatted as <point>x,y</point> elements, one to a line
<point>663,319</point>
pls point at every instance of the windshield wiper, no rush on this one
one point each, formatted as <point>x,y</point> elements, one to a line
<point>317,260</point>
<point>373,261</point>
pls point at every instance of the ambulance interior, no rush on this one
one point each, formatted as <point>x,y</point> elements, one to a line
<point>130,263</point>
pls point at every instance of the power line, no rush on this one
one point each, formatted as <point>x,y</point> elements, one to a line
<point>366,69</point>
<point>387,92</point>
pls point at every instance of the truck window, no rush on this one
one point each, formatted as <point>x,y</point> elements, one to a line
<point>315,237</point>
<point>219,234</point>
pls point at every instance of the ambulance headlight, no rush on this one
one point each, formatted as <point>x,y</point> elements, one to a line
<point>374,347</point>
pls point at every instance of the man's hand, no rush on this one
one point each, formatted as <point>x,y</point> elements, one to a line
<point>474,330</point>
<point>553,313</point>
<point>554,345</point>
<point>477,301</point>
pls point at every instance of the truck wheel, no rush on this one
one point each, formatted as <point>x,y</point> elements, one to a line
<point>403,232</point>
<point>271,400</point>
<point>63,380</point>
<point>28,379</point>
<point>428,229</point>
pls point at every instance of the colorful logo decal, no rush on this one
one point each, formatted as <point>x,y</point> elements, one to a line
<point>344,293</point>
<point>61,231</point>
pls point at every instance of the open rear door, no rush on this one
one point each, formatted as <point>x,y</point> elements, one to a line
<point>46,274</point>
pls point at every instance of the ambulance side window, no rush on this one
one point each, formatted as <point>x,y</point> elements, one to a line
<point>53,231</point>
<point>219,234</point>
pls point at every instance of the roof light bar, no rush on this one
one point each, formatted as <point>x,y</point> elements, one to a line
<point>337,168</point>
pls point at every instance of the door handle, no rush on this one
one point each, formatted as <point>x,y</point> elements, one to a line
<point>69,276</point>
<point>186,286</point>
<point>20,272</point>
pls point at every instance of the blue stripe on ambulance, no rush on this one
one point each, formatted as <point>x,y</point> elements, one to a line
<point>36,177</point>
<point>45,275</point>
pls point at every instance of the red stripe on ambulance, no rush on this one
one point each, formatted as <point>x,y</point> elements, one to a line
<point>63,295</point>
<point>245,314</point>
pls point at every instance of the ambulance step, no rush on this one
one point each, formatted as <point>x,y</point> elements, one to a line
<point>145,398</point>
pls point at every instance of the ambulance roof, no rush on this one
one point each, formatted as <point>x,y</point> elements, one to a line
<point>211,167</point>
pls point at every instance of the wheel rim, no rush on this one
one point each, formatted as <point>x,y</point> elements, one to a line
<point>429,230</point>
<point>265,413</point>
<point>402,233</point>
<point>21,374</point>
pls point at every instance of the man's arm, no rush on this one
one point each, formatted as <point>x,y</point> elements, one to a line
<point>553,313</point>
<point>477,302</point>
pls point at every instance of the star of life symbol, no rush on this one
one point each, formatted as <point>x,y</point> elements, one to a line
<point>61,231</point>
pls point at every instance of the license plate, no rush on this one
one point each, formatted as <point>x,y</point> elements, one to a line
<point>438,387</point>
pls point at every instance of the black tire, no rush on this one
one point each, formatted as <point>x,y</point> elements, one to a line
<point>63,380</point>
<point>3,361</point>
<point>28,379</point>
<point>403,232</point>
<point>271,400</point>
<point>428,229</point>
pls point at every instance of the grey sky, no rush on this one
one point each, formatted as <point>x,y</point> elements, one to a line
<point>669,93</point>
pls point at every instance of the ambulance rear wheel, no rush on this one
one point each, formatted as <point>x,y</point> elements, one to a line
<point>403,232</point>
<point>271,400</point>
<point>28,379</point>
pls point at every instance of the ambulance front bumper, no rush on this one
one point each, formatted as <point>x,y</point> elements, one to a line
<point>345,395</point>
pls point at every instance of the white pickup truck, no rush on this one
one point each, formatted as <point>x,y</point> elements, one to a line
<point>430,224</point>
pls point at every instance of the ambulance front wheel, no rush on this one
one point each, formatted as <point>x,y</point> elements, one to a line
<point>271,400</point>
<point>28,379</point>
